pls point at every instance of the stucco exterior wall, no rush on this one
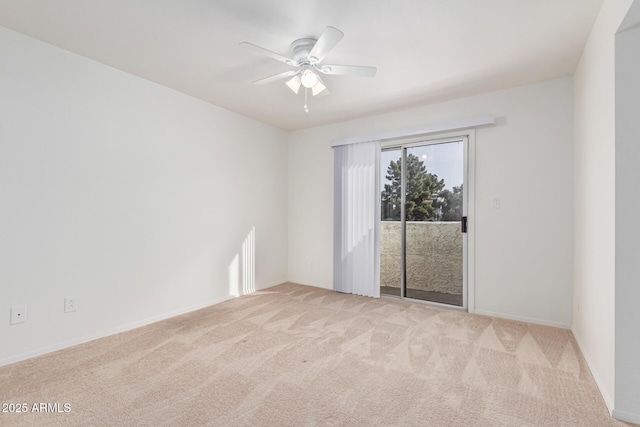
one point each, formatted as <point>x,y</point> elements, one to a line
<point>434,256</point>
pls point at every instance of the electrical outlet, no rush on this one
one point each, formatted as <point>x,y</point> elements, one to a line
<point>70,304</point>
<point>18,314</point>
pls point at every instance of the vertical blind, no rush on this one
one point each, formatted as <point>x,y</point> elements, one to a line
<point>356,254</point>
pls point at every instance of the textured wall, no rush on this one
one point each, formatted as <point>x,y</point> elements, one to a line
<point>434,256</point>
<point>532,121</point>
<point>118,191</point>
<point>627,244</point>
<point>594,243</point>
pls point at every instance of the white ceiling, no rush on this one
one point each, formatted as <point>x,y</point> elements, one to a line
<point>425,50</point>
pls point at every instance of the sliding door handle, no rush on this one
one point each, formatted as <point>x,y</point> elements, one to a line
<point>463,224</point>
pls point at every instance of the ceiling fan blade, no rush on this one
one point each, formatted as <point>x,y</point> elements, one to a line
<point>266,52</point>
<point>348,70</point>
<point>327,41</point>
<point>276,77</point>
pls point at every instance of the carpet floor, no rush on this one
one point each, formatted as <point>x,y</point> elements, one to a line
<point>301,356</point>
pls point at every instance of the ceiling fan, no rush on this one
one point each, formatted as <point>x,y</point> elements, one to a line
<point>306,56</point>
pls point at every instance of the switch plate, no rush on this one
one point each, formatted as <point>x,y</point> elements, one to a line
<point>18,314</point>
<point>495,203</point>
<point>70,304</point>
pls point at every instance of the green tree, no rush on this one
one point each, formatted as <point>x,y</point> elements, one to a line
<point>449,204</point>
<point>422,187</point>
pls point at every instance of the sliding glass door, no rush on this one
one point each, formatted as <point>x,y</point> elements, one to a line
<point>423,241</point>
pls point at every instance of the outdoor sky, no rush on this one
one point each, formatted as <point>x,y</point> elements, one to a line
<point>444,160</point>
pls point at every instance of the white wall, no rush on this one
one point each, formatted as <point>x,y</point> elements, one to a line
<point>523,250</point>
<point>594,225</point>
<point>627,273</point>
<point>132,197</point>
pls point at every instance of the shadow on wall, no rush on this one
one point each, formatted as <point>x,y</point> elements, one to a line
<point>242,269</point>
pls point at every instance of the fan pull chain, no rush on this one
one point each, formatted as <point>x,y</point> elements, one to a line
<point>306,98</point>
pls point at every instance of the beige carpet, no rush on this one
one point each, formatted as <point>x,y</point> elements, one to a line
<point>301,356</point>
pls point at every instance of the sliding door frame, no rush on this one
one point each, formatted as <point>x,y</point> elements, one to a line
<point>469,153</point>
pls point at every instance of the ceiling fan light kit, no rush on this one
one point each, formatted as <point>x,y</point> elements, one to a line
<point>318,88</point>
<point>308,78</point>
<point>294,84</point>
<point>307,53</point>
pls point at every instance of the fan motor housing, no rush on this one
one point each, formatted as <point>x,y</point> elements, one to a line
<point>300,50</point>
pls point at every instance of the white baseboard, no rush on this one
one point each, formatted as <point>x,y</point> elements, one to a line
<point>108,332</point>
<point>315,285</point>
<point>626,416</point>
<point>271,284</point>
<point>533,320</point>
<point>596,377</point>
